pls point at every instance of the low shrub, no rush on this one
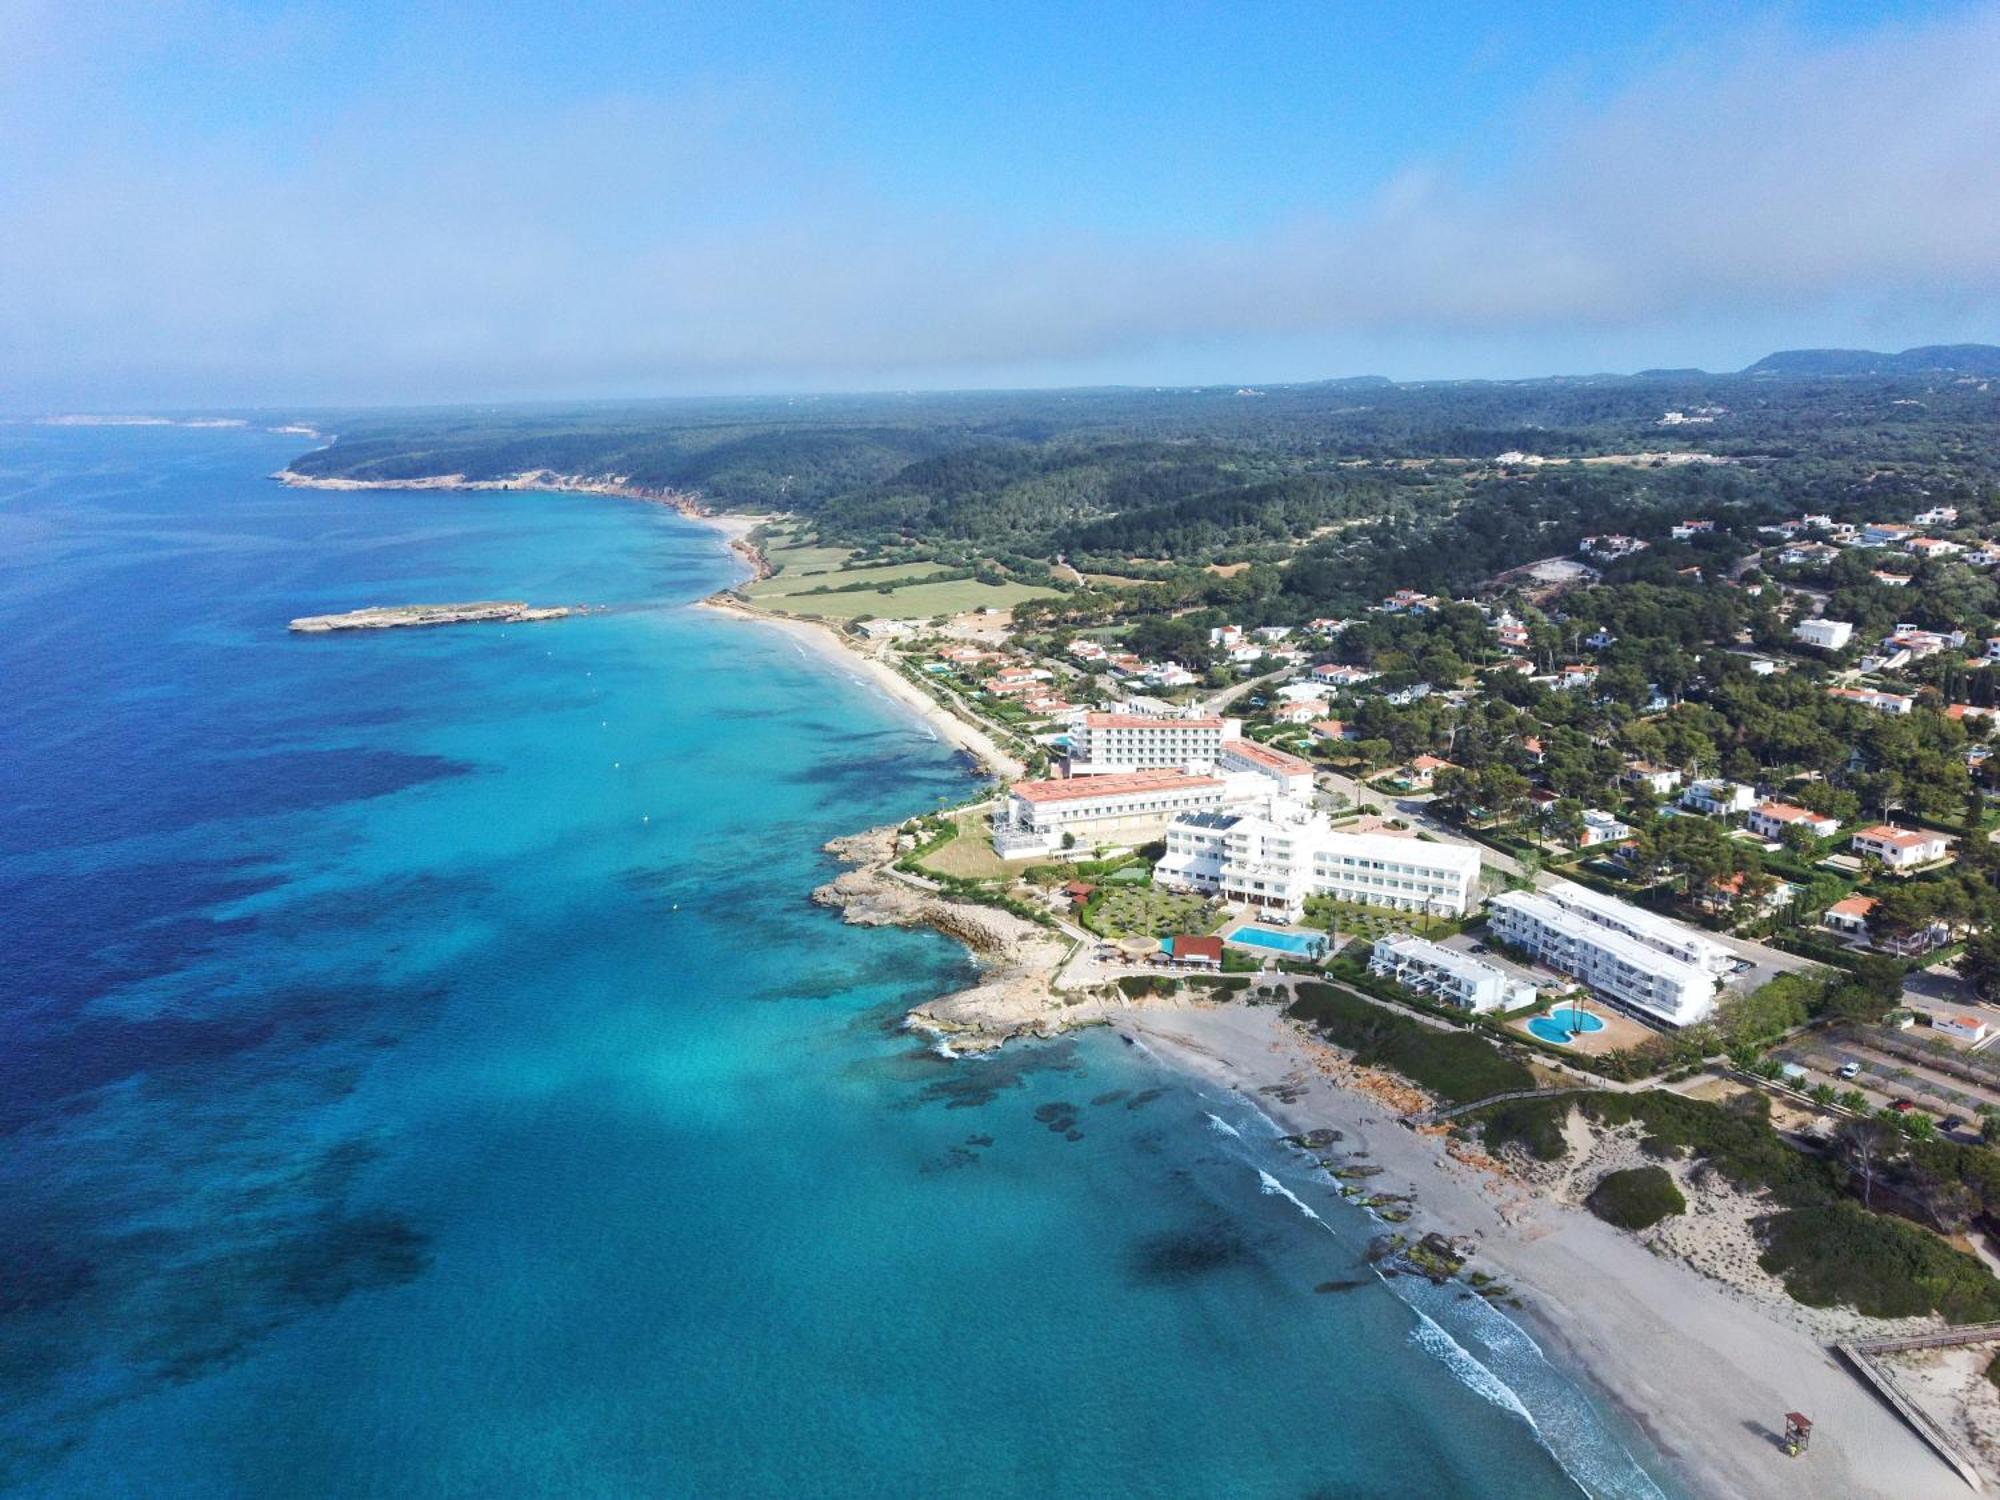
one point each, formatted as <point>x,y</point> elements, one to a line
<point>1840,1254</point>
<point>1636,1198</point>
<point>1457,1067</point>
<point>1535,1125</point>
<point>1737,1140</point>
<point>1224,984</point>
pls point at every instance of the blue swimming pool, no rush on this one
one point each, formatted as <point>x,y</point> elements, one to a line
<point>1565,1021</point>
<point>1297,943</point>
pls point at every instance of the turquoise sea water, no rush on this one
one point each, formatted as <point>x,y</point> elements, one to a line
<point>423,1074</point>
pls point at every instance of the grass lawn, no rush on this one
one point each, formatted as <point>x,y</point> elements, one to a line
<point>1148,911</point>
<point>788,550</point>
<point>913,601</point>
<point>800,581</point>
<point>1370,923</point>
<point>970,856</point>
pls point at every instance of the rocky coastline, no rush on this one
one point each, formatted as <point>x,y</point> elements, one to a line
<point>687,502</point>
<point>1019,992</point>
<point>401,616</point>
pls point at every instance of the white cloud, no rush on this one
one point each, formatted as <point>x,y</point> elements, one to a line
<point>706,239</point>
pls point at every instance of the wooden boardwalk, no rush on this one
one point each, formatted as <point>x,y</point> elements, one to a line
<point>1861,1357</point>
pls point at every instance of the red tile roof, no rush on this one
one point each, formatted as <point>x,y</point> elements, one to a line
<point>1786,812</point>
<point>1264,755</point>
<point>1896,838</point>
<point>1077,788</point>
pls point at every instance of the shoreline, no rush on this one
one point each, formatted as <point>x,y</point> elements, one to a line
<point>994,760</point>
<point>1704,1374</point>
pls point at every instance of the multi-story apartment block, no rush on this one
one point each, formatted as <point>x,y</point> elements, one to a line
<point>1617,966</point>
<point>1447,974</point>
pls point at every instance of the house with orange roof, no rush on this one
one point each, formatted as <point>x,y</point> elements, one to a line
<point>1901,849</point>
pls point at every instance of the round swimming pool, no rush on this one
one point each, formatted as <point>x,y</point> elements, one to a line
<point>1565,1022</point>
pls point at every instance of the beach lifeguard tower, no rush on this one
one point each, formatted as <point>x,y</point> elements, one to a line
<point>1798,1433</point>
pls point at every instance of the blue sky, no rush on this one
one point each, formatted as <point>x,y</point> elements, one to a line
<point>213,203</point>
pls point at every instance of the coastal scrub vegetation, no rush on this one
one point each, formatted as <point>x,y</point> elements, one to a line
<point>1840,1254</point>
<point>1825,1246</point>
<point>1455,1066</point>
<point>1636,1198</point>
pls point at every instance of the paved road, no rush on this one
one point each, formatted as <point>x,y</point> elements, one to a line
<point>1219,701</point>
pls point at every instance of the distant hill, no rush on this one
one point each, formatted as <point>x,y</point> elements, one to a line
<point>1963,359</point>
<point>1348,382</point>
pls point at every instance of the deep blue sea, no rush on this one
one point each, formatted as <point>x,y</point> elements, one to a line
<point>422,1073</point>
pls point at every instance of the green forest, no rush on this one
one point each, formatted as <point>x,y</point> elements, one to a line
<point>1350,487</point>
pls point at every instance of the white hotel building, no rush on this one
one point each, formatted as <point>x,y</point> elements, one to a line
<point>1273,860</point>
<point>1288,775</point>
<point>1610,950</point>
<point>1129,809</point>
<point>1447,974</point>
<point>1117,744</point>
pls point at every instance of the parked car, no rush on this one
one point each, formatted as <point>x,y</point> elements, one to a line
<point>1902,1106</point>
<point>1850,1071</point>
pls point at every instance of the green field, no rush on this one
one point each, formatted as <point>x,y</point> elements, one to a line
<point>793,581</point>
<point>788,550</point>
<point>970,856</point>
<point>802,567</point>
<point>913,601</point>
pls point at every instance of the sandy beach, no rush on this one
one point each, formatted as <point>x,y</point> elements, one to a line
<point>876,672</point>
<point>1706,1369</point>
<point>1706,1374</point>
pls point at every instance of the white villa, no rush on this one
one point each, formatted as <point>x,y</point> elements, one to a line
<point>1883,703</point>
<point>1826,635</point>
<point>1274,859</point>
<point>1601,827</point>
<point>1900,848</point>
<point>1617,965</point>
<point>1659,780</point>
<point>1769,820</point>
<point>1719,798</point>
<point>1447,974</point>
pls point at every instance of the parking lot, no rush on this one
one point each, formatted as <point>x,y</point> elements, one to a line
<point>1885,1076</point>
